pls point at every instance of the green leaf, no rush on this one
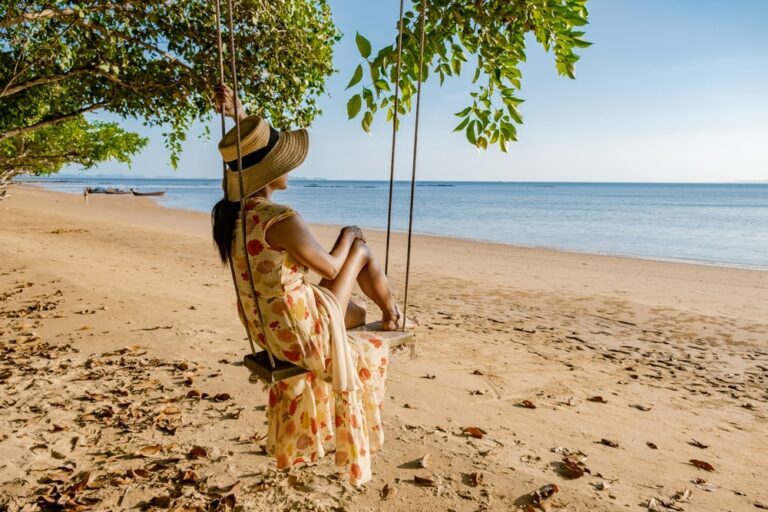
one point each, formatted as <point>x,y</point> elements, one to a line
<point>356,77</point>
<point>471,137</point>
<point>363,45</point>
<point>464,112</point>
<point>354,105</point>
<point>462,125</point>
<point>366,122</point>
<point>381,85</point>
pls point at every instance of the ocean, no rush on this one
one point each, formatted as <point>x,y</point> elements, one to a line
<point>722,224</point>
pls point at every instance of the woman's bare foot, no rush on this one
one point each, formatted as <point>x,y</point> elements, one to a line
<point>392,321</point>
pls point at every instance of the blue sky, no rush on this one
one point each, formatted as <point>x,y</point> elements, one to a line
<point>670,91</point>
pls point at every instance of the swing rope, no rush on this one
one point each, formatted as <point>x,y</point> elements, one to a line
<point>235,88</point>
<point>415,146</point>
<point>394,134</point>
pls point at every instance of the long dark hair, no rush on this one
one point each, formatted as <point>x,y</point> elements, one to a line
<point>223,217</point>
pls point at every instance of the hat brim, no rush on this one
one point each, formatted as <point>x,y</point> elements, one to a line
<point>289,152</point>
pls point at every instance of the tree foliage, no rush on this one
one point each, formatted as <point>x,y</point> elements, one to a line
<point>157,61</point>
<point>486,36</point>
<point>76,141</point>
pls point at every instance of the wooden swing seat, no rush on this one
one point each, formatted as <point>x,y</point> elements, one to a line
<point>261,368</point>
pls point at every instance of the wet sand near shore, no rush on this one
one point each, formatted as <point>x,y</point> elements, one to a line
<point>628,384</point>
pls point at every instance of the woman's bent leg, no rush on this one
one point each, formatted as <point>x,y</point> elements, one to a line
<point>360,267</point>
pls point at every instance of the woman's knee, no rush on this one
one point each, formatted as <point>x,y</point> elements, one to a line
<point>360,248</point>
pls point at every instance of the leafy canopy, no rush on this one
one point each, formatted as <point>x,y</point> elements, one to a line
<point>77,141</point>
<point>157,61</point>
<point>488,33</point>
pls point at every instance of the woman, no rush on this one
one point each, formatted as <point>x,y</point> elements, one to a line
<point>341,395</point>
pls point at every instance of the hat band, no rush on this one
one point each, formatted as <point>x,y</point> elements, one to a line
<point>257,156</point>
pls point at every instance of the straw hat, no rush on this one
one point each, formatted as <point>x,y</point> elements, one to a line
<point>266,155</point>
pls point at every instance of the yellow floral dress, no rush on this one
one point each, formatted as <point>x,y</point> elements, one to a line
<point>334,401</point>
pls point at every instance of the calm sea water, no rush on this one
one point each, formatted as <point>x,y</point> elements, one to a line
<point>709,223</point>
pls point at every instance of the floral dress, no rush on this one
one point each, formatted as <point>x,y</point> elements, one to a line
<point>340,398</point>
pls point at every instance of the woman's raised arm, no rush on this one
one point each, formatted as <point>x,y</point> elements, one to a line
<point>293,235</point>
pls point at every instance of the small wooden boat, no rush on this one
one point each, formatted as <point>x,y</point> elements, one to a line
<point>116,191</point>
<point>95,190</point>
<point>158,193</point>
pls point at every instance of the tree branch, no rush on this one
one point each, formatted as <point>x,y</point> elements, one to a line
<point>10,91</point>
<point>51,121</point>
<point>55,13</point>
<point>126,37</point>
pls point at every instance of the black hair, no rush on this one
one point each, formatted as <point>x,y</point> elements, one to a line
<point>223,218</point>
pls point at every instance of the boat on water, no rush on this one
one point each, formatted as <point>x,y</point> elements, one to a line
<point>158,193</point>
<point>116,191</point>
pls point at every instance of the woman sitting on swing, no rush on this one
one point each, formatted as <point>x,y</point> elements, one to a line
<point>295,320</point>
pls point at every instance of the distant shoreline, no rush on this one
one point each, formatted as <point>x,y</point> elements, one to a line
<point>630,256</point>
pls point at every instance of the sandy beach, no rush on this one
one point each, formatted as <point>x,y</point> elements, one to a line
<point>122,387</point>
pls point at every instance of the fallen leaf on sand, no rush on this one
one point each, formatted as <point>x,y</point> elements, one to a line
<point>570,467</point>
<point>148,451</point>
<point>475,478</point>
<point>640,407</point>
<point>160,501</point>
<point>477,372</point>
<point>608,442</point>
<point>698,444</point>
<point>222,397</point>
<point>424,482</point>
<point>473,432</point>
<point>706,466</point>
<point>429,376</point>
<point>222,489</point>
<point>197,452</point>
<point>187,477</point>
<point>598,399</point>
<point>388,492</point>
<point>651,445</point>
<point>527,404</point>
<point>544,492</point>
<point>78,483</point>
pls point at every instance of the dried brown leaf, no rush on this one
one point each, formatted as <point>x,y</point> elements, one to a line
<point>706,466</point>
<point>544,492</point>
<point>608,442</point>
<point>424,481</point>
<point>527,404</point>
<point>475,478</point>
<point>148,451</point>
<point>474,432</point>
<point>216,489</point>
<point>388,492</point>
<point>651,445</point>
<point>78,483</point>
<point>197,452</point>
<point>187,477</point>
<point>598,399</point>
<point>698,444</point>
<point>222,397</point>
<point>570,468</point>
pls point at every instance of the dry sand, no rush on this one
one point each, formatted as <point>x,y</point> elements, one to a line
<point>121,352</point>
